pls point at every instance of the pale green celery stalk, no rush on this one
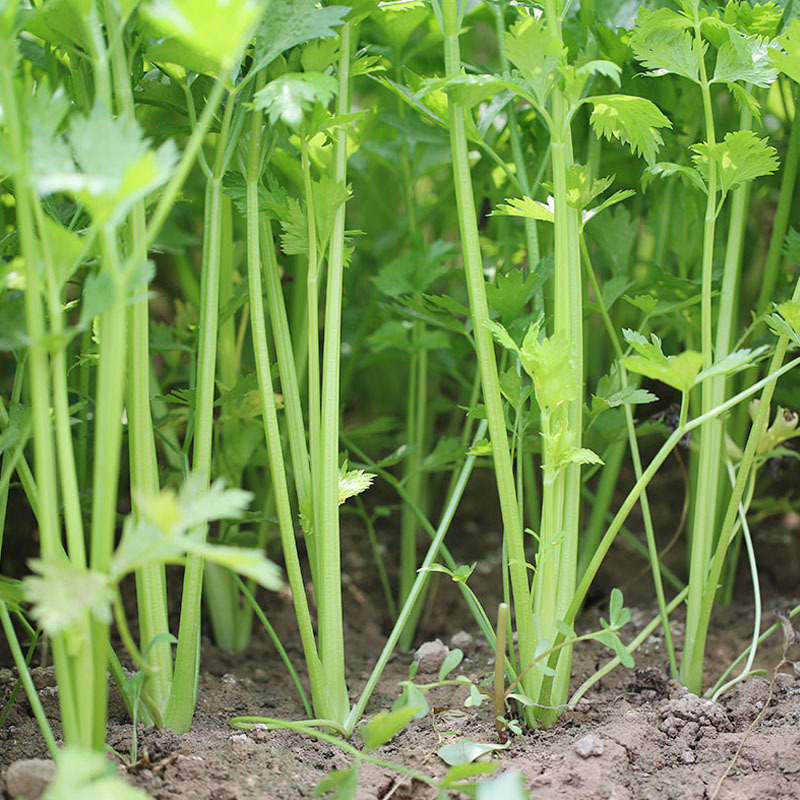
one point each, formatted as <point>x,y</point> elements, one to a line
<point>606,486</point>
<point>329,572</point>
<point>290,387</point>
<point>487,364</point>
<point>151,592</point>
<point>70,494</point>
<point>554,581</point>
<point>180,708</point>
<point>108,447</point>
<point>709,458</point>
<point>746,464</point>
<point>436,546</point>
<point>416,419</point>
<point>269,413</point>
<point>231,621</point>
<point>531,233</point>
<point>633,443</point>
<point>312,359</point>
<point>729,307</point>
<point>527,478</point>
<point>38,366</point>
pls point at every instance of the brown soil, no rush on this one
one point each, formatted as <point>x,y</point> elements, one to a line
<point>652,740</point>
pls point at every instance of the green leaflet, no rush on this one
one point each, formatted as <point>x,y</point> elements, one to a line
<point>212,33</point>
<point>290,96</point>
<point>741,157</point>
<point>630,120</point>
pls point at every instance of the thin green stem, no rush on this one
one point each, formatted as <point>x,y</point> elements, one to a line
<point>487,363</point>
<point>329,588</point>
<point>27,681</point>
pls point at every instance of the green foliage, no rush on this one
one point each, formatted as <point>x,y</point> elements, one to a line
<point>289,97</point>
<point>105,163</point>
<point>741,157</point>
<point>287,25</point>
<point>631,120</point>
<point>537,54</point>
<point>787,59</point>
<point>211,33</point>
<point>466,751</point>
<point>385,725</point>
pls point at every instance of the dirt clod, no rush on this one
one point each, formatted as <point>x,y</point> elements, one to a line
<point>588,746</point>
<point>464,642</point>
<point>431,655</point>
<point>29,777</point>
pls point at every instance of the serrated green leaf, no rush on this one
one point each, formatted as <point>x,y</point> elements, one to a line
<point>385,725</point>
<point>293,94</point>
<point>790,311</point>
<point>116,168</point>
<point>537,54</point>
<point>791,245</point>
<point>216,30</point>
<point>745,100</point>
<point>342,782</point>
<point>286,25</point>
<point>744,58</point>
<point>617,197</point>
<point>741,157</point>
<point>663,45</point>
<point>666,169</point>
<point>758,19</point>
<point>787,59</point>
<point>680,371</point>
<point>525,207</point>
<point>582,188</point>
<point>353,482</point>
<point>510,293</point>
<point>447,451</point>
<point>732,363</point>
<point>249,562</point>
<point>649,349</point>
<point>63,593</point>
<point>466,751</point>
<point>467,90</point>
<point>630,120</point>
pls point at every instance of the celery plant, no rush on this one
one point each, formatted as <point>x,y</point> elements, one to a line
<point>555,89</point>
<point>676,42</point>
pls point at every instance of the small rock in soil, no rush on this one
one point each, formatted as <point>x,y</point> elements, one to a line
<point>29,777</point>
<point>431,655</point>
<point>241,743</point>
<point>464,642</point>
<point>589,746</point>
<point>688,757</point>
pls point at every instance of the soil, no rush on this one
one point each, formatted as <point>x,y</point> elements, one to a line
<point>634,736</point>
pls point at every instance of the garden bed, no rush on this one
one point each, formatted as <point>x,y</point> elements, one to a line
<point>636,734</point>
